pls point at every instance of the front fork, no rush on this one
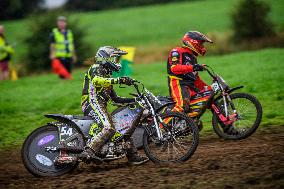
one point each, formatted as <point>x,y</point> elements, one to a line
<point>156,119</point>
<point>226,119</point>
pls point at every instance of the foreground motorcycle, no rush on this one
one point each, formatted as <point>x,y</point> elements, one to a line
<point>235,115</point>
<point>175,141</point>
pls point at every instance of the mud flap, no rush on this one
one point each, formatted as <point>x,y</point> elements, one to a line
<point>70,139</point>
<point>65,131</point>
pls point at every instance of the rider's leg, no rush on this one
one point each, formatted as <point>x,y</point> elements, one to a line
<point>201,85</point>
<point>99,114</point>
<point>181,96</point>
<point>200,94</point>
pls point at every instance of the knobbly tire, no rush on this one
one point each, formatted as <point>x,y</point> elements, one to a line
<point>248,107</point>
<point>176,148</point>
<point>37,160</point>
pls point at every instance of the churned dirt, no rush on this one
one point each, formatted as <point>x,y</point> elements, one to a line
<point>256,162</point>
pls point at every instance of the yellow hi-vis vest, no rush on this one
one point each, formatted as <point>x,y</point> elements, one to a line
<point>64,48</point>
<point>5,49</point>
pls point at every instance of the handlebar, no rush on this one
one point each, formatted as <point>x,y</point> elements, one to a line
<point>210,71</point>
<point>136,86</point>
<point>135,83</point>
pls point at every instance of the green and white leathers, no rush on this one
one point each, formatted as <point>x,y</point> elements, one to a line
<point>64,46</point>
<point>97,91</point>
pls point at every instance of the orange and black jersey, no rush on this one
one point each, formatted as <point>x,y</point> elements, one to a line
<point>180,64</point>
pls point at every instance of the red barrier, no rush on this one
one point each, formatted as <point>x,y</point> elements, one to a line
<point>59,69</point>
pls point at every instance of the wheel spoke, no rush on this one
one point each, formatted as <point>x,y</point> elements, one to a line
<point>176,149</point>
<point>181,145</point>
<point>178,140</point>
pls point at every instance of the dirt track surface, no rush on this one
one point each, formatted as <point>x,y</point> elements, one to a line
<point>256,162</point>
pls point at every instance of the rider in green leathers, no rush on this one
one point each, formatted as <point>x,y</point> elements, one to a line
<point>97,91</point>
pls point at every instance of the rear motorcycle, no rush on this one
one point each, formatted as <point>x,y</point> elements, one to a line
<point>54,149</point>
<point>235,115</point>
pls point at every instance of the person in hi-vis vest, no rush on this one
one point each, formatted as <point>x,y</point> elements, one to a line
<point>62,49</point>
<point>6,52</point>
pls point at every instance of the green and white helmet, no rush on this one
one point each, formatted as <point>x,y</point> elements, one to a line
<point>109,57</point>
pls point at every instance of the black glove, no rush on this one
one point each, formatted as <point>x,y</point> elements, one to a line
<point>198,67</point>
<point>126,81</point>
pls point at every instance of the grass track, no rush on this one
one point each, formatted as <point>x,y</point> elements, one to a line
<point>23,103</point>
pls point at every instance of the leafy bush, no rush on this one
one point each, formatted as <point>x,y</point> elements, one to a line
<point>250,20</point>
<point>40,27</point>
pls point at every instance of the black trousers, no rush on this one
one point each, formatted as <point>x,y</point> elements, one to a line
<point>67,63</point>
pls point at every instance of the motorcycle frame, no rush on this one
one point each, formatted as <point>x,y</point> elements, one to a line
<point>212,102</point>
<point>153,113</point>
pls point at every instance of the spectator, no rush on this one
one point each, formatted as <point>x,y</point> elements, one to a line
<point>6,52</point>
<point>62,49</point>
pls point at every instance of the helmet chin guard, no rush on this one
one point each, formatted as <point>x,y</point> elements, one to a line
<point>111,66</point>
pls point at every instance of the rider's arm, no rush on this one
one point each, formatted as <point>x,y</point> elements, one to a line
<point>175,60</point>
<point>104,82</point>
<point>118,99</point>
<point>181,69</point>
<point>97,76</point>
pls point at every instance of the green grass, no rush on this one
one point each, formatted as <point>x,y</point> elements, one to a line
<point>149,26</point>
<point>24,102</point>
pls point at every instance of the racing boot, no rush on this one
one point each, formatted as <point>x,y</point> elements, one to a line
<point>95,145</point>
<point>133,157</point>
<point>89,155</point>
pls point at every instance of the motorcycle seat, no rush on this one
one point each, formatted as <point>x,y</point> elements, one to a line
<point>82,117</point>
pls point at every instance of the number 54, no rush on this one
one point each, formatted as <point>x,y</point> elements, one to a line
<point>66,131</point>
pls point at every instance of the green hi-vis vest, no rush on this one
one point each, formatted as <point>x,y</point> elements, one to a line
<point>64,48</point>
<point>5,49</point>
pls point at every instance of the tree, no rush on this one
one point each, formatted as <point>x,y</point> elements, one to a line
<point>250,20</point>
<point>88,5</point>
<point>15,9</point>
<point>40,26</point>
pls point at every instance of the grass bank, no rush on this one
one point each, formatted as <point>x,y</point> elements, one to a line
<point>149,27</point>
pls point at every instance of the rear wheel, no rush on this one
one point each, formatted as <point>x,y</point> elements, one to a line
<point>249,111</point>
<point>37,159</point>
<point>179,141</point>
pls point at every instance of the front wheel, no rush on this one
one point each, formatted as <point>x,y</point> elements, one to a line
<point>179,141</point>
<point>37,159</point>
<point>249,114</point>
